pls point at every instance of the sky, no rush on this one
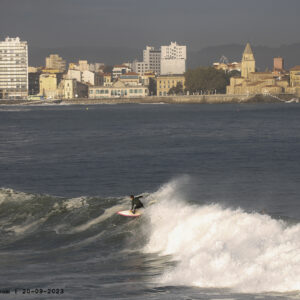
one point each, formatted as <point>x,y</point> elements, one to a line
<point>137,23</point>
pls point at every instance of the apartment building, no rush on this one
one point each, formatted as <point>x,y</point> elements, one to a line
<point>54,61</point>
<point>151,59</point>
<point>173,59</point>
<point>13,69</point>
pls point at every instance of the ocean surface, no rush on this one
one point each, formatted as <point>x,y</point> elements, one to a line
<point>220,184</point>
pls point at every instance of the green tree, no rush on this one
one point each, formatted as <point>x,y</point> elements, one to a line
<point>152,86</point>
<point>176,90</point>
<point>206,80</point>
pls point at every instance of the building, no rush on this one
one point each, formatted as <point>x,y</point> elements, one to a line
<point>107,79</point>
<point>140,67</point>
<point>118,90</point>
<point>88,77</point>
<point>48,86</point>
<point>251,82</point>
<point>74,74</point>
<point>278,65</point>
<point>70,89</point>
<point>34,82</point>
<point>165,82</point>
<point>130,78</point>
<point>83,65</point>
<point>152,59</point>
<point>13,69</point>
<point>248,62</point>
<point>54,61</point>
<point>119,70</point>
<point>173,59</point>
<point>295,76</point>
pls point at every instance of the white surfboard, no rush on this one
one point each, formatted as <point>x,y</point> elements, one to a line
<point>128,213</point>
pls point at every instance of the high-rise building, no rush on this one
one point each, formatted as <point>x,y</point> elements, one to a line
<point>54,61</point>
<point>248,62</point>
<point>173,59</point>
<point>151,58</point>
<point>13,69</point>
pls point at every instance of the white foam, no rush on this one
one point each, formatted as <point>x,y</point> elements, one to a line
<point>107,214</point>
<point>75,203</point>
<point>223,248</point>
<point>11,195</point>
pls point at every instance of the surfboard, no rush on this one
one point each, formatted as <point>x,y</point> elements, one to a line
<point>128,213</point>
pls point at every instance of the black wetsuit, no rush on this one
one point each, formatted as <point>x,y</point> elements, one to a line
<point>136,203</point>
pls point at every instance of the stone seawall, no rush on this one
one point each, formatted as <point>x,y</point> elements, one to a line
<point>194,99</point>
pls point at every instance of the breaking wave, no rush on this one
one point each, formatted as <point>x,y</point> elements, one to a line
<point>210,246</point>
<point>220,247</point>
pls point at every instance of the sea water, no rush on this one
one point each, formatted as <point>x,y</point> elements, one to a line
<point>220,184</point>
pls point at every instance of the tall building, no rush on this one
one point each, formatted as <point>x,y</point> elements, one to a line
<point>151,59</point>
<point>173,59</point>
<point>54,61</point>
<point>248,62</point>
<point>13,69</point>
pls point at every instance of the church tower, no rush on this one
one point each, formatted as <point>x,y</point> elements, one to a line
<point>248,62</point>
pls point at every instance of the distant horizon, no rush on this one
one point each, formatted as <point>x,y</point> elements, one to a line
<point>204,56</point>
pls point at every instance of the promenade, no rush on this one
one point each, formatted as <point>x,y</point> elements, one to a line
<point>191,99</point>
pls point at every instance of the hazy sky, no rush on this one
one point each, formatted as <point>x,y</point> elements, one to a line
<point>136,23</point>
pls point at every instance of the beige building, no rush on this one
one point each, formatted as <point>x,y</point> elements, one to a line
<point>165,82</point>
<point>252,82</point>
<point>294,87</point>
<point>107,79</point>
<point>70,89</point>
<point>130,78</point>
<point>54,61</point>
<point>295,76</point>
<point>118,90</point>
<point>248,62</point>
<point>48,86</point>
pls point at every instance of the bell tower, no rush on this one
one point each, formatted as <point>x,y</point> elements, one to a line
<point>248,62</point>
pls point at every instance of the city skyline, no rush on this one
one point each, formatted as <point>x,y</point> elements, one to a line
<point>133,23</point>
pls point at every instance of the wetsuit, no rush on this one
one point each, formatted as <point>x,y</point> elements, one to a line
<point>136,203</point>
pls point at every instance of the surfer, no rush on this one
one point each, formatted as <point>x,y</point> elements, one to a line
<point>135,203</point>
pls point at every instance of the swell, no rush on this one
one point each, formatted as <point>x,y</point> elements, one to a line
<point>33,221</point>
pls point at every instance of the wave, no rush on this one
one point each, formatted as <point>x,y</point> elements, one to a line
<point>222,247</point>
<point>212,246</point>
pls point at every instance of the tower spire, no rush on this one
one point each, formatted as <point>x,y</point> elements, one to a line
<point>248,49</point>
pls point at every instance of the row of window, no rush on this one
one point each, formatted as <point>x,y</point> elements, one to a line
<point>117,92</point>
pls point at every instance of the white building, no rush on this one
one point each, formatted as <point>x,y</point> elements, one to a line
<point>74,74</point>
<point>88,77</point>
<point>140,67</point>
<point>118,90</point>
<point>119,70</point>
<point>13,69</point>
<point>173,59</point>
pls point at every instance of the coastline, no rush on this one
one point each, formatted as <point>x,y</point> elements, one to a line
<point>191,99</point>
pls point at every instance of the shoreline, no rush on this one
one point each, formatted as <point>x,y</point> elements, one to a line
<point>194,99</point>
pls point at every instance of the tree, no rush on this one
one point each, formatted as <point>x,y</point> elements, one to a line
<point>107,69</point>
<point>234,73</point>
<point>152,86</point>
<point>176,90</point>
<point>206,80</point>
